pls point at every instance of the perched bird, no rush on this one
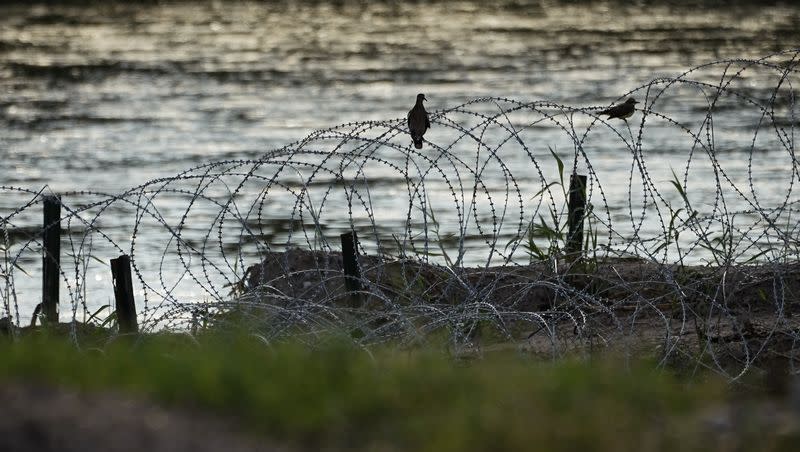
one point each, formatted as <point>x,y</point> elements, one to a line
<point>622,111</point>
<point>418,121</point>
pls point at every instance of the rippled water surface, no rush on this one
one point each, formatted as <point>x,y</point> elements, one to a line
<point>110,96</point>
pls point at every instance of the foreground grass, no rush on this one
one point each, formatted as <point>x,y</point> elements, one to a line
<point>338,397</point>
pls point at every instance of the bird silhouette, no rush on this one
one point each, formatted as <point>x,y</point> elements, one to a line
<point>622,111</point>
<point>418,121</point>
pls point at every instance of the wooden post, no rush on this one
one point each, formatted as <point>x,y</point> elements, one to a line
<point>123,293</point>
<point>352,275</point>
<point>577,209</point>
<point>51,257</point>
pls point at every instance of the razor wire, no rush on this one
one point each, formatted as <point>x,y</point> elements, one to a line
<point>687,251</point>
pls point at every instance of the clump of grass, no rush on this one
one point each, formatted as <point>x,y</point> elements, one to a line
<point>339,397</point>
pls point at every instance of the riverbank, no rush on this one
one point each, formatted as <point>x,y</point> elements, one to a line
<point>726,317</point>
<point>596,354</point>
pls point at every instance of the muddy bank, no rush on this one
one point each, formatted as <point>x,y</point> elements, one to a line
<point>299,275</point>
<point>738,314</point>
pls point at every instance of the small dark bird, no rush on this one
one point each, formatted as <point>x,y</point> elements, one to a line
<point>418,121</point>
<point>622,111</point>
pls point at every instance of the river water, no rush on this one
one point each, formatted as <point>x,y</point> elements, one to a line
<point>100,98</point>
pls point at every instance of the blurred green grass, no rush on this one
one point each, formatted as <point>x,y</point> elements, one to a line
<point>338,397</point>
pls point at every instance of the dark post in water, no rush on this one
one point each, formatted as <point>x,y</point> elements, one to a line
<point>577,208</point>
<point>51,257</point>
<point>123,293</point>
<point>352,275</point>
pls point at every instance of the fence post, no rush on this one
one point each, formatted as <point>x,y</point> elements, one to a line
<point>123,294</point>
<point>352,275</point>
<point>577,208</point>
<point>51,257</point>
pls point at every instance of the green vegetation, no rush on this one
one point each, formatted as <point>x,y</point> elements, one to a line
<point>339,397</point>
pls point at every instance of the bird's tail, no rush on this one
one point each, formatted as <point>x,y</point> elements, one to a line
<point>417,143</point>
